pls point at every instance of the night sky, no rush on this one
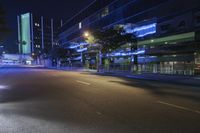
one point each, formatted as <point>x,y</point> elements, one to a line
<point>57,9</point>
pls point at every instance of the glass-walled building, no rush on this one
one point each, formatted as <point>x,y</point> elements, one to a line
<point>168,34</point>
<point>36,34</point>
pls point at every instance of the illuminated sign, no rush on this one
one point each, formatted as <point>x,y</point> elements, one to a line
<point>141,31</point>
<point>26,33</point>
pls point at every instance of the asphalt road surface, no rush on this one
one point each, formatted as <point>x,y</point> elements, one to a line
<point>36,100</point>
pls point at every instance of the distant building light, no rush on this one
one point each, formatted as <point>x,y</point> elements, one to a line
<point>2,87</point>
<point>28,62</point>
<point>152,41</point>
<point>37,24</point>
<point>80,25</point>
<point>105,12</point>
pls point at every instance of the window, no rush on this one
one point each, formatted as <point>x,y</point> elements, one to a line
<point>37,24</point>
<point>105,12</point>
<point>80,25</point>
<point>165,27</point>
<point>182,24</point>
<point>198,19</point>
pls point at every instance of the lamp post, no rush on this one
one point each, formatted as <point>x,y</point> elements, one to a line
<point>87,35</point>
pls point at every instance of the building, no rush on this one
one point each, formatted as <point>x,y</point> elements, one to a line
<point>168,34</point>
<point>37,34</point>
<point>15,59</point>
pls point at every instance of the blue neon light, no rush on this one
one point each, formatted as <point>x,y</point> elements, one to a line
<point>143,30</point>
<point>77,58</point>
<point>127,54</point>
<point>82,50</point>
<point>73,46</point>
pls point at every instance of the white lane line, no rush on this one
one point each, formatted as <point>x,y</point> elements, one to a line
<point>82,82</point>
<point>179,107</point>
<point>99,113</point>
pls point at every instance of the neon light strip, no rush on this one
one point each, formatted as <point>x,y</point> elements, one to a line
<point>143,30</point>
<point>81,50</point>
<point>127,54</point>
<point>76,46</point>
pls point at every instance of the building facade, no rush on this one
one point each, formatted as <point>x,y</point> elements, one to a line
<point>168,34</point>
<point>37,34</point>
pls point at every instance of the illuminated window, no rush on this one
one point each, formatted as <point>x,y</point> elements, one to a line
<point>37,24</point>
<point>80,25</point>
<point>182,24</point>
<point>105,12</point>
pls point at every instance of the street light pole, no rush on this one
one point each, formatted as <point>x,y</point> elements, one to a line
<point>87,34</point>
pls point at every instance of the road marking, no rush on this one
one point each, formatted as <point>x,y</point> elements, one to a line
<point>82,82</point>
<point>179,107</point>
<point>99,113</point>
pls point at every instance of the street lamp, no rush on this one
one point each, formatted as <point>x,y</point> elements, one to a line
<point>86,34</point>
<point>92,41</point>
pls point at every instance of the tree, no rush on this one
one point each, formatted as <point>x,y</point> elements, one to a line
<point>57,53</point>
<point>4,31</point>
<point>111,39</point>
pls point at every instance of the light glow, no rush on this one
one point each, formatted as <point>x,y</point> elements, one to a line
<point>77,58</point>
<point>127,54</point>
<point>82,50</point>
<point>3,87</point>
<point>86,34</point>
<point>26,33</point>
<point>73,46</point>
<point>142,31</point>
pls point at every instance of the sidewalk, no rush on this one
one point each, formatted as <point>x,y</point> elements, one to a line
<point>175,79</point>
<point>77,69</point>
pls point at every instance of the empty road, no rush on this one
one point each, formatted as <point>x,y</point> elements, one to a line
<point>38,100</point>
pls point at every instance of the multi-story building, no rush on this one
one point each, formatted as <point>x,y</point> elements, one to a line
<point>37,35</point>
<point>168,33</point>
